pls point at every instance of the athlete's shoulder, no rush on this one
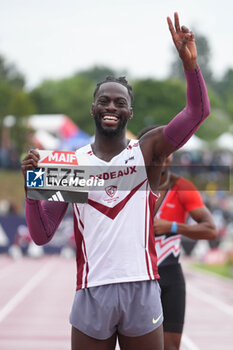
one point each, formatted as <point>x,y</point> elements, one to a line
<point>133,143</point>
<point>84,150</point>
<point>188,194</point>
<point>183,184</point>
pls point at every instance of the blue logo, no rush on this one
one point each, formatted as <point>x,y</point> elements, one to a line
<point>35,178</point>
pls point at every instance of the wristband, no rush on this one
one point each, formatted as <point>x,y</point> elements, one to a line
<point>174,227</point>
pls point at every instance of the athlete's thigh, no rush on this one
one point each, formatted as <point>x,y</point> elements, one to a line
<point>149,341</point>
<point>172,340</point>
<point>173,298</point>
<point>81,341</point>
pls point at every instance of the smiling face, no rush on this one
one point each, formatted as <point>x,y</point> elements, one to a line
<point>112,109</point>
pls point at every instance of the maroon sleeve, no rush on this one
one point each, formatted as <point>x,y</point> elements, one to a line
<point>197,109</point>
<point>43,219</point>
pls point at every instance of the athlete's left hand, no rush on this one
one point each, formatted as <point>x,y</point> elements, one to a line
<point>184,42</point>
<point>162,226</point>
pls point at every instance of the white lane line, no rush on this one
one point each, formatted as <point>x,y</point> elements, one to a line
<point>188,343</point>
<point>23,292</point>
<point>207,298</point>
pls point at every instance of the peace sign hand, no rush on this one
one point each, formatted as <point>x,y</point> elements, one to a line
<point>184,43</point>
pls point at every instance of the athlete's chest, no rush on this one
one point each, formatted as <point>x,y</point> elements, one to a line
<point>121,177</point>
<point>170,208</point>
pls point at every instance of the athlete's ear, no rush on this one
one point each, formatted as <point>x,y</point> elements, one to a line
<point>92,109</point>
<point>131,113</point>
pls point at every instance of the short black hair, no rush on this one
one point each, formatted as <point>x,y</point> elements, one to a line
<point>120,80</point>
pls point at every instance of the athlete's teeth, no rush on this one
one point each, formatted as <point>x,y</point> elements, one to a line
<point>110,117</point>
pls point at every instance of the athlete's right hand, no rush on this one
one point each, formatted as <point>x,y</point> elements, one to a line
<point>30,162</point>
<point>162,226</point>
<point>184,42</point>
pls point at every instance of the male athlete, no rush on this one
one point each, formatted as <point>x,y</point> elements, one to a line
<point>117,290</point>
<point>178,198</point>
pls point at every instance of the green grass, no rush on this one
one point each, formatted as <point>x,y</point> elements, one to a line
<point>225,270</point>
<point>12,187</point>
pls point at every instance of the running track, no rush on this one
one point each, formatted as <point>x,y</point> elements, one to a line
<point>36,297</point>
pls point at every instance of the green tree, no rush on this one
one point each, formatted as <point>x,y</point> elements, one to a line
<point>71,96</point>
<point>5,97</point>
<point>15,101</point>
<point>9,72</point>
<point>13,98</point>
<point>156,102</point>
<point>99,73</point>
<point>225,90</point>
<point>225,84</point>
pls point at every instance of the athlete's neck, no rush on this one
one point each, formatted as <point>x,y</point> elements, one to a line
<point>107,147</point>
<point>165,180</point>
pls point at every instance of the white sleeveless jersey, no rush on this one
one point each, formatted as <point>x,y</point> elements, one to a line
<point>114,230</point>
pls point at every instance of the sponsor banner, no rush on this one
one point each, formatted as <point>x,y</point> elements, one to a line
<point>61,176</point>
<point>59,158</point>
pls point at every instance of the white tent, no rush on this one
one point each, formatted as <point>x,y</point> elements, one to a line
<point>58,124</point>
<point>57,131</point>
<point>48,122</point>
<point>43,139</point>
<point>194,144</point>
<point>224,141</point>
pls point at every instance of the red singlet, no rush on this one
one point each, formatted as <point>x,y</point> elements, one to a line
<point>182,198</point>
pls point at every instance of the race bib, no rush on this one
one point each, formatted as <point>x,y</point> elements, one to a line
<point>61,176</point>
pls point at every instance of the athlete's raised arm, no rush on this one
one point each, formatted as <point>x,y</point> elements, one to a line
<point>160,142</point>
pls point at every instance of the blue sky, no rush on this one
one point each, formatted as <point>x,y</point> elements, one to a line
<point>55,38</point>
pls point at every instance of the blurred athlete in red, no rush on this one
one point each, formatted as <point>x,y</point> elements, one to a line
<point>178,199</point>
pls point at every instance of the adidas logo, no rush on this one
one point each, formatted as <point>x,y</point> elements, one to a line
<point>57,197</point>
